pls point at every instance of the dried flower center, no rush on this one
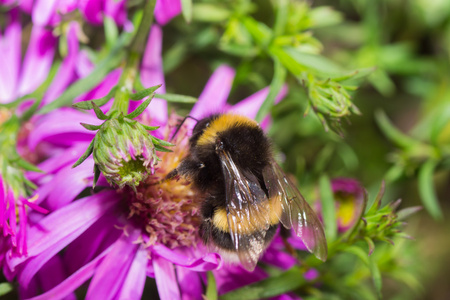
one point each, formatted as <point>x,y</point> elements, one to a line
<point>168,210</point>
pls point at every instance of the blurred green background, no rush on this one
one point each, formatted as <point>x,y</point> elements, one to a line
<point>402,135</point>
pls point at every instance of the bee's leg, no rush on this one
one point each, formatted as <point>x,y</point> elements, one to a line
<point>285,233</point>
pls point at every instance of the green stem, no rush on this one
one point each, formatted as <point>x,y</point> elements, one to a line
<point>135,51</point>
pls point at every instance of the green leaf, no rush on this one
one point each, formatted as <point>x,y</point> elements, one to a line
<point>96,176</point>
<point>358,252</point>
<point>376,276</point>
<point>393,133</point>
<point>111,31</point>
<point>85,155</point>
<point>206,12</point>
<point>177,98</point>
<point>278,80</point>
<point>5,288</point>
<point>270,287</point>
<point>144,93</point>
<point>27,166</point>
<point>259,31</point>
<point>426,189</point>
<point>140,108</point>
<point>211,288</point>
<point>186,6</point>
<point>314,63</point>
<point>86,105</point>
<point>406,212</point>
<point>324,16</point>
<point>91,127</point>
<point>150,128</point>
<point>281,19</point>
<point>328,208</point>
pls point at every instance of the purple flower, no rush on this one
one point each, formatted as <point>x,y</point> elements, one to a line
<point>349,200</point>
<point>117,238</point>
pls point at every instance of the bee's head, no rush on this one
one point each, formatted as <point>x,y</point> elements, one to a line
<point>199,128</point>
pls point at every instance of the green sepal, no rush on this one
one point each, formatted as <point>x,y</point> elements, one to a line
<point>177,98</point>
<point>164,143</point>
<point>377,203</point>
<point>86,105</point>
<point>30,111</point>
<point>150,128</point>
<point>98,112</point>
<point>144,93</point>
<point>27,166</point>
<point>162,149</point>
<point>85,155</point>
<point>91,127</point>
<point>30,184</point>
<point>96,176</point>
<point>140,109</point>
<point>370,243</point>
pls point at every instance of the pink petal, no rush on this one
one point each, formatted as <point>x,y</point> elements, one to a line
<point>165,10</point>
<point>10,50</point>
<point>208,262</point>
<point>38,60</point>
<point>232,277</point>
<point>43,11</point>
<point>92,10</point>
<point>56,227</point>
<point>249,106</point>
<point>215,94</point>
<point>52,274</point>
<point>116,10</point>
<point>81,178</point>
<point>75,280</point>
<point>133,285</point>
<point>166,280</point>
<point>190,284</point>
<point>114,268</point>
<point>84,66</point>
<point>62,127</point>
<point>152,74</point>
<point>66,72</point>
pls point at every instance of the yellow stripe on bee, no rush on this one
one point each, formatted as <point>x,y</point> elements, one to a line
<point>247,226</point>
<point>222,123</point>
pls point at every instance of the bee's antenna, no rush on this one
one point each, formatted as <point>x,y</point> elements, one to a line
<point>181,124</point>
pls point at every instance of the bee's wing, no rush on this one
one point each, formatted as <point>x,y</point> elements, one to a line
<point>247,212</point>
<point>296,212</point>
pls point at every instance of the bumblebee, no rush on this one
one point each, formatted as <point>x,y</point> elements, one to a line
<point>246,193</point>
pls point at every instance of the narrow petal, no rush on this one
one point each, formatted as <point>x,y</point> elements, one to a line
<point>61,194</point>
<point>165,10</point>
<point>278,258</point>
<point>152,74</point>
<point>75,217</point>
<point>38,60</point>
<point>249,106</point>
<point>134,283</point>
<point>43,11</point>
<point>66,72</point>
<point>208,262</point>
<point>113,270</point>
<point>10,50</point>
<point>62,127</point>
<point>52,274</point>
<point>215,93</point>
<point>232,277</point>
<point>75,280</point>
<point>190,284</point>
<point>84,66</point>
<point>166,280</point>
<point>116,10</point>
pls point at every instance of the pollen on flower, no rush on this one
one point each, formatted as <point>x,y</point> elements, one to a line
<point>168,209</point>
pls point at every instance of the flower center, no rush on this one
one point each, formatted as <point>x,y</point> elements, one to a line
<point>168,209</point>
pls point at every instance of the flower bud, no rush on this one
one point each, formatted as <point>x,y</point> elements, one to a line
<point>349,199</point>
<point>124,152</point>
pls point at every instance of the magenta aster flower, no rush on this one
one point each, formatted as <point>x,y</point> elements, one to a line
<point>165,10</point>
<point>119,237</point>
